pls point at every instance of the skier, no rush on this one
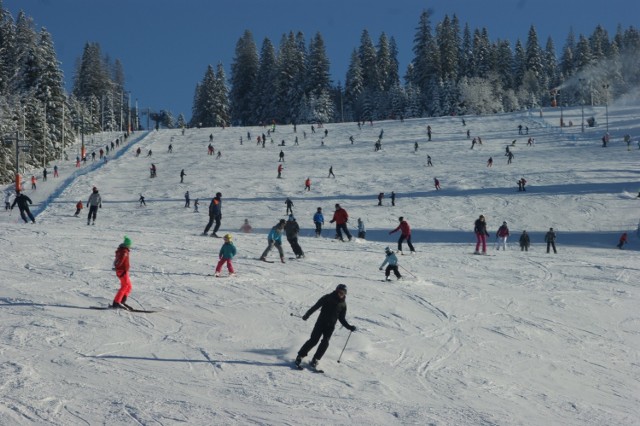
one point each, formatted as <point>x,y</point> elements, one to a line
<point>141,200</point>
<point>152,170</point>
<point>524,241</point>
<point>219,155</point>
<point>340,217</point>
<point>405,234</point>
<point>289,204</point>
<point>121,265</point>
<point>509,157</point>
<point>187,200</point>
<point>331,172</point>
<point>196,204</point>
<point>94,202</point>
<point>149,153</point>
<point>429,132</point>
<point>227,251</point>
<point>33,182</point>
<point>333,308</point>
<point>393,198</point>
<point>391,261</point>
<point>138,151</point>
<point>55,171</point>
<point>519,129</point>
<point>436,183</point>
<point>281,158</point>
<point>318,220</point>
<point>429,163</point>
<point>550,239</point>
<point>292,229</point>
<point>380,197</point>
<point>623,240</point>
<point>8,197</point>
<point>23,205</point>
<point>480,229</point>
<point>44,174</point>
<point>182,175</point>
<point>279,171</point>
<point>362,231</point>
<point>473,142</point>
<point>501,236</point>
<point>170,149</point>
<point>523,182</point>
<point>215,214</point>
<point>490,162</point>
<point>415,147</point>
<point>246,227</point>
<point>307,184</point>
<point>275,239</point>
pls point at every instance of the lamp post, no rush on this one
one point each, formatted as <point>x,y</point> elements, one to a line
<point>606,103</point>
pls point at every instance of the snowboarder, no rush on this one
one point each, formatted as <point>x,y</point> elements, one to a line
<point>405,234</point>
<point>623,240</point>
<point>436,183</point>
<point>187,200</point>
<point>331,172</point>
<point>23,205</point>
<point>94,202</point>
<point>340,217</point>
<point>227,251</point>
<point>307,184</point>
<point>393,198</point>
<point>275,239</point>
<point>121,265</point>
<point>480,229</point>
<point>333,308</point>
<point>289,204</point>
<point>215,214</point>
<point>318,220</point>
<point>362,231</point>
<point>501,236</point>
<point>524,241</point>
<point>550,239</point>
<point>391,260</point>
<point>182,175</point>
<point>380,197</point>
<point>141,200</point>
<point>292,229</point>
<point>246,227</point>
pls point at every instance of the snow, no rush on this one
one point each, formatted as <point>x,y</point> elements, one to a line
<point>512,338</point>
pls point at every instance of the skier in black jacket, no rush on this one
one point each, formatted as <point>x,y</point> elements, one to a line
<point>333,307</point>
<point>23,205</point>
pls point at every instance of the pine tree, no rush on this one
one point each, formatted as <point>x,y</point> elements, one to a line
<point>265,87</point>
<point>244,70</point>
<point>354,88</point>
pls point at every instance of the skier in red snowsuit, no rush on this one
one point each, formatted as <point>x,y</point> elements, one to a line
<point>121,264</point>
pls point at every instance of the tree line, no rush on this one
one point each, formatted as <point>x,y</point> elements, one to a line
<point>454,71</point>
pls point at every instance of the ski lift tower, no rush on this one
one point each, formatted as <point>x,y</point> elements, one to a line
<point>22,145</point>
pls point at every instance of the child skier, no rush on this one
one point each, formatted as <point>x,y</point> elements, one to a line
<point>78,208</point>
<point>623,240</point>
<point>246,227</point>
<point>362,231</point>
<point>227,251</point>
<point>392,264</point>
<point>501,236</point>
<point>318,220</point>
<point>333,307</point>
<point>121,265</point>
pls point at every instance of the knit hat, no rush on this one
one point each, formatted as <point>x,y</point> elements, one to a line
<point>291,217</point>
<point>126,242</point>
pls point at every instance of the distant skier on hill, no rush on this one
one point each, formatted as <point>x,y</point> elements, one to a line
<point>182,175</point>
<point>246,227</point>
<point>318,221</point>
<point>307,184</point>
<point>362,231</point>
<point>550,239</point>
<point>380,197</point>
<point>501,236</point>
<point>333,308</point>
<point>340,217</point>
<point>405,234</point>
<point>187,200</point>
<point>289,204</point>
<point>524,241</point>
<point>480,229</point>
<point>94,202</point>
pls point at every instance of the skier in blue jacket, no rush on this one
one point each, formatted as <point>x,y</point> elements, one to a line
<point>392,264</point>
<point>318,220</point>
<point>275,239</point>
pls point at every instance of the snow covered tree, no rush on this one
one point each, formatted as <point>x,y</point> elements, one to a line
<point>244,70</point>
<point>265,87</point>
<point>354,87</point>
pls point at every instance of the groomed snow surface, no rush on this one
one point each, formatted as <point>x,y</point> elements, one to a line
<point>514,338</point>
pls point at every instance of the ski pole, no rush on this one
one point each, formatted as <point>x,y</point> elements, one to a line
<point>405,269</point>
<point>345,346</point>
<point>294,315</point>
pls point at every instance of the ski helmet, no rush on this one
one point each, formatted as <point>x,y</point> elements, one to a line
<point>342,287</point>
<point>387,250</point>
<point>227,237</point>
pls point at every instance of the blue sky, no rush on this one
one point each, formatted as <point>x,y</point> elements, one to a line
<point>166,45</point>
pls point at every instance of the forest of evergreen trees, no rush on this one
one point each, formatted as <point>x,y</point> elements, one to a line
<point>454,71</point>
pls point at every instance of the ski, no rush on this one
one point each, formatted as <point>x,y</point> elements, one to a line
<point>107,308</point>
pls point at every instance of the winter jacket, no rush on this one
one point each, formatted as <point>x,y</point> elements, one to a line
<point>391,259</point>
<point>480,227</point>
<point>292,228</point>
<point>550,237</point>
<point>94,200</point>
<point>227,251</point>
<point>524,240</point>
<point>215,208</point>
<point>318,218</point>
<point>121,263</point>
<point>361,227</point>
<point>503,231</point>
<point>22,201</point>
<point>79,205</point>
<point>404,228</point>
<point>332,308</point>
<point>275,234</point>
<point>340,216</point>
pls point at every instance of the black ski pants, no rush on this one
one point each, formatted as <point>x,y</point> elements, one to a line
<point>295,246</point>
<point>93,212</point>
<point>26,212</point>
<point>551,244</point>
<point>343,227</point>
<point>319,330</point>
<point>401,239</point>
